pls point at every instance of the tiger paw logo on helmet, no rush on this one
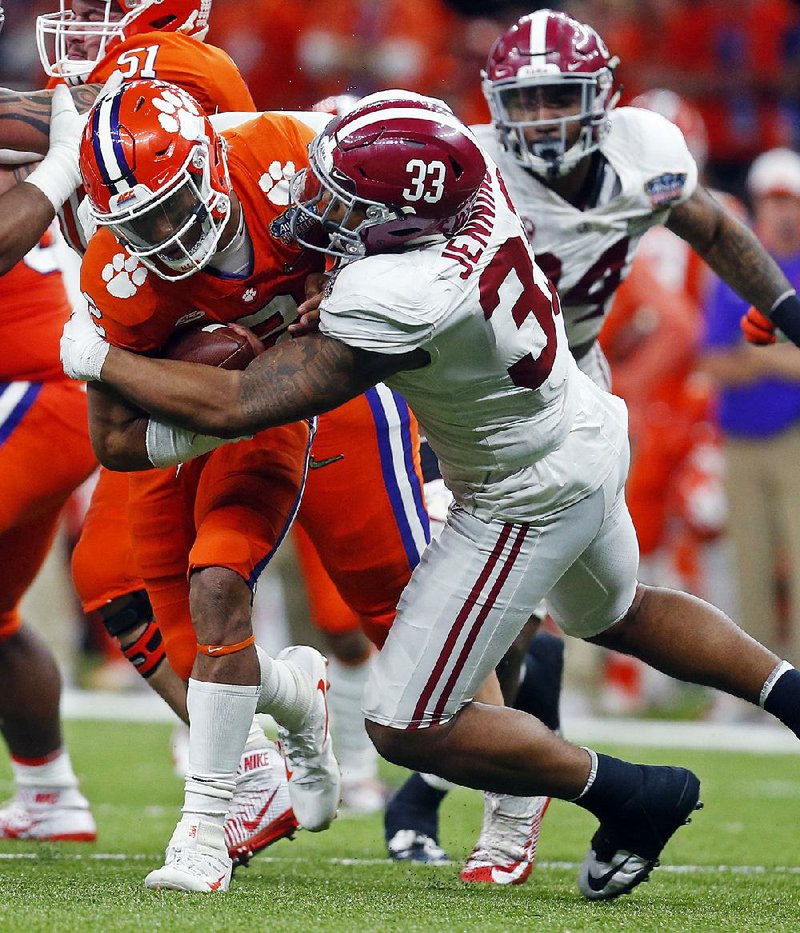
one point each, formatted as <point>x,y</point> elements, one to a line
<point>179,114</point>
<point>275,182</point>
<point>123,275</point>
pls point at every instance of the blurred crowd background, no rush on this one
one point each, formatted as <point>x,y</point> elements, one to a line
<point>738,61</point>
<point>735,65</point>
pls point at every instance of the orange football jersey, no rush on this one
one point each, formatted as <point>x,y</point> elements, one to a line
<point>34,310</point>
<point>139,311</point>
<point>205,71</point>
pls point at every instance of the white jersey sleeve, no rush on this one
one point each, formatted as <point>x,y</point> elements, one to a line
<point>392,318</point>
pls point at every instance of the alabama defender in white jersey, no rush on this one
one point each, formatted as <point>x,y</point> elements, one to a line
<point>589,180</point>
<point>458,317</point>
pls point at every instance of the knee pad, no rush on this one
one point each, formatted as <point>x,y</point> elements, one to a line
<point>147,652</point>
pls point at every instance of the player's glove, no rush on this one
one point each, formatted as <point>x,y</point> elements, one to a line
<point>83,350</point>
<point>757,328</point>
<point>58,174</point>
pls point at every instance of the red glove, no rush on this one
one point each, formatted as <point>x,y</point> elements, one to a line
<point>757,328</point>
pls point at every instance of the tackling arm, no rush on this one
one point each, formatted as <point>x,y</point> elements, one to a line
<point>25,214</point>
<point>294,380</point>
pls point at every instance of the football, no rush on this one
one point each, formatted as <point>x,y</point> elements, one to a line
<point>214,345</point>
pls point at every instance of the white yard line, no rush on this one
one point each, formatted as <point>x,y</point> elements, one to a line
<point>357,862</point>
<point>743,737</point>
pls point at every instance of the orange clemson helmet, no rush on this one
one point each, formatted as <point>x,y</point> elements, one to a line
<point>156,174</point>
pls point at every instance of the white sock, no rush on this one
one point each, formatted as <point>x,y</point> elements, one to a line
<point>256,738</point>
<point>437,783</point>
<point>286,692</point>
<point>220,719</point>
<point>55,771</point>
<point>357,756</point>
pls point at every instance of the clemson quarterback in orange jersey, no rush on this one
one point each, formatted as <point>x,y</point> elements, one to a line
<point>220,224</point>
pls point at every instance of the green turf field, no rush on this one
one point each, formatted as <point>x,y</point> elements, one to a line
<point>736,868</point>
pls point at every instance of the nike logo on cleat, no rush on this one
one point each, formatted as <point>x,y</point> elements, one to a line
<point>599,883</point>
<point>252,825</point>
<point>215,885</point>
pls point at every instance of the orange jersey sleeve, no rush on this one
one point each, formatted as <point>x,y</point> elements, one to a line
<point>139,311</point>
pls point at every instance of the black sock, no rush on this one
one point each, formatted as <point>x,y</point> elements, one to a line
<point>783,700</point>
<point>615,783</point>
<point>414,806</point>
<point>540,690</point>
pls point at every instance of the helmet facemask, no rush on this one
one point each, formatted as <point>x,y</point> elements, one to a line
<point>176,231</point>
<point>551,156</point>
<point>57,33</point>
<point>322,205</point>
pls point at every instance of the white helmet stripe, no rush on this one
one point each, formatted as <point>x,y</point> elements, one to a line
<point>113,170</point>
<point>401,113</point>
<point>538,26</point>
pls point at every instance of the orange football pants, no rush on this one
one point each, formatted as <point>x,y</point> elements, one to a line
<point>230,508</point>
<point>362,519</point>
<point>103,566</point>
<point>45,453</point>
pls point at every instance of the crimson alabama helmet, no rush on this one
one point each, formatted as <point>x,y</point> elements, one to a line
<point>542,50</point>
<point>70,48</point>
<point>156,174</point>
<point>405,161</point>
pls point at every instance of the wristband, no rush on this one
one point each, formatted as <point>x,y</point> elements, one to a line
<point>168,446</point>
<point>55,183</point>
<point>785,314</point>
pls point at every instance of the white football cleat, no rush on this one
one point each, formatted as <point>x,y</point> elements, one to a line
<point>311,767</point>
<point>506,848</point>
<point>48,814</point>
<point>196,860</point>
<point>261,811</point>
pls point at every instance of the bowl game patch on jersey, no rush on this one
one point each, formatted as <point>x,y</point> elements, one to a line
<point>666,188</point>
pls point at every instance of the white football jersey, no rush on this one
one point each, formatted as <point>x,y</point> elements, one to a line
<point>519,431</point>
<point>587,252</point>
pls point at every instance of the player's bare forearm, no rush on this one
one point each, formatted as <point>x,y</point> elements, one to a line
<point>294,380</point>
<point>117,430</point>
<point>25,116</point>
<point>25,215</point>
<point>731,249</point>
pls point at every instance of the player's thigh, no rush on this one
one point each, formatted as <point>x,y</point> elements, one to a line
<point>369,547</point>
<point>327,609</point>
<point>23,550</point>
<point>468,599</point>
<point>103,564</point>
<point>598,588</point>
<point>45,452</point>
<point>247,497</point>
